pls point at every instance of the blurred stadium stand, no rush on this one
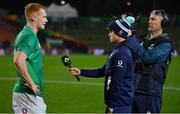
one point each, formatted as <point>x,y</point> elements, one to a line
<point>79,35</point>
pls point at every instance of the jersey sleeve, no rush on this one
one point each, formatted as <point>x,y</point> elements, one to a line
<point>26,45</point>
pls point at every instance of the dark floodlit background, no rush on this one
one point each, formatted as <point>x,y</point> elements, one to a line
<point>87,30</point>
<point>101,7</point>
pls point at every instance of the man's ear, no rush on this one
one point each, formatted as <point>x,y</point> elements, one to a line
<point>34,18</point>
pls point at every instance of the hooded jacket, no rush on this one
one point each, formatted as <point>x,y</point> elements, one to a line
<point>119,74</point>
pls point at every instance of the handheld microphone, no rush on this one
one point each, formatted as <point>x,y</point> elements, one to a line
<point>67,63</point>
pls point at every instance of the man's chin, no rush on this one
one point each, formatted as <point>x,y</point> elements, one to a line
<point>150,29</point>
<point>42,28</point>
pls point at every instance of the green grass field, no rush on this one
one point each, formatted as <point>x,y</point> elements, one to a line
<point>63,94</point>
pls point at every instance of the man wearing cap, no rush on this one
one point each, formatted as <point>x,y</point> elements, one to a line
<point>118,70</point>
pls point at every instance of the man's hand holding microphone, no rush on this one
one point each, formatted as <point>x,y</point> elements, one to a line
<point>75,71</point>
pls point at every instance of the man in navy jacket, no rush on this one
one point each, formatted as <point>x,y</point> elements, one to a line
<point>118,70</point>
<point>152,65</point>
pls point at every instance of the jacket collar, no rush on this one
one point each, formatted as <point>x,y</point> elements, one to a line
<point>130,42</point>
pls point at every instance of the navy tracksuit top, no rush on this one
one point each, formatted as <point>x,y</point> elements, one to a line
<point>119,74</point>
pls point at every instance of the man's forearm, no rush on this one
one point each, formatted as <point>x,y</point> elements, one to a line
<point>22,68</point>
<point>20,62</point>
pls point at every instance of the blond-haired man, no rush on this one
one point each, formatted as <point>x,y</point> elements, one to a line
<point>28,90</point>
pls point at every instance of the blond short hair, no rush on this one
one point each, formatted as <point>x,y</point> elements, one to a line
<point>31,8</point>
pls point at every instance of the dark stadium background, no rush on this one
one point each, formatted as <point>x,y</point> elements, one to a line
<point>102,7</point>
<point>90,11</point>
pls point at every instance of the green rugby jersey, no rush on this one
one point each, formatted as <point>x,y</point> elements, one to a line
<point>27,42</point>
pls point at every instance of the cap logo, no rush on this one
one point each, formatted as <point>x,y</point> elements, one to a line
<point>120,32</point>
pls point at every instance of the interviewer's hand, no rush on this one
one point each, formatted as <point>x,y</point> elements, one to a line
<point>75,71</point>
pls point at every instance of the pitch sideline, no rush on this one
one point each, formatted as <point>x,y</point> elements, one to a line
<point>77,83</point>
